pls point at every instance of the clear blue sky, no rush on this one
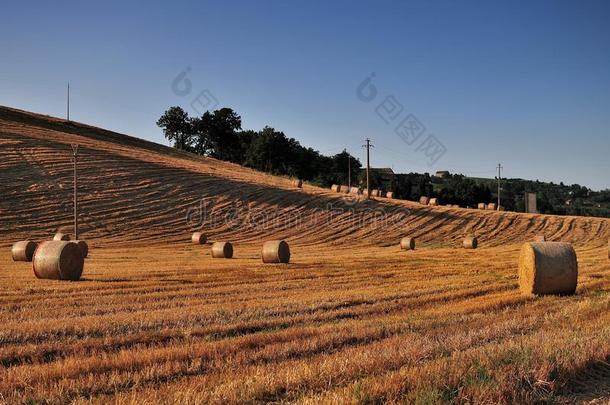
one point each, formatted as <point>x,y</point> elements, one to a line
<point>526,83</point>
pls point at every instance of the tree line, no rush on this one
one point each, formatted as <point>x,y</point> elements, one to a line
<point>219,134</point>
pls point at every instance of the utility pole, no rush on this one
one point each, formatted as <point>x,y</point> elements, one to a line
<point>368,147</point>
<point>68,101</point>
<point>499,188</point>
<point>349,171</point>
<point>75,154</point>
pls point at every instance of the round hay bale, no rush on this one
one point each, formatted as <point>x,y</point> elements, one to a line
<point>61,236</point>
<point>355,190</point>
<point>481,206</point>
<point>344,189</point>
<point>297,183</point>
<point>84,248</point>
<point>470,242</point>
<point>540,238</point>
<point>58,260</point>
<point>407,243</point>
<point>492,206</point>
<point>222,250</point>
<point>198,238</point>
<point>276,251</point>
<point>389,194</point>
<point>433,201</point>
<point>23,251</point>
<point>423,200</point>
<point>456,206</point>
<point>336,188</point>
<point>548,268</point>
<point>501,208</point>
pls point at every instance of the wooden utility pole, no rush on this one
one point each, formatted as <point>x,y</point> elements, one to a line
<point>75,155</point>
<point>68,114</point>
<point>499,187</point>
<point>368,147</point>
<point>349,171</point>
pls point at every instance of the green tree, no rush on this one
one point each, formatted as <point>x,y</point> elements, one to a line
<point>177,127</point>
<point>268,151</point>
<point>216,135</point>
<point>343,164</point>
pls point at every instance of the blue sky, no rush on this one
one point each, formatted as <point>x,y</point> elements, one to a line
<point>526,84</point>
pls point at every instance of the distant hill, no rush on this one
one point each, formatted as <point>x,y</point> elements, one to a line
<point>552,198</point>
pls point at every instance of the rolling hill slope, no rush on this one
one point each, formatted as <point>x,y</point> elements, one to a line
<point>137,192</point>
<point>351,319</point>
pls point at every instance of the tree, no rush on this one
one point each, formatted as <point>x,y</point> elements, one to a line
<point>216,135</point>
<point>177,127</point>
<point>268,152</point>
<point>340,169</point>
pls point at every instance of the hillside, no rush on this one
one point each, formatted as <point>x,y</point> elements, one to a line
<point>137,192</point>
<point>351,319</point>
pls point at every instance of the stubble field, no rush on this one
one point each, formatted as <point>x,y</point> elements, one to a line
<point>351,319</point>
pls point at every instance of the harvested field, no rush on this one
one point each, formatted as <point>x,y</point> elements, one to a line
<point>155,319</point>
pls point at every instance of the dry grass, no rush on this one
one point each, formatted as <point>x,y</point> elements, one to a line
<point>351,319</point>
<point>173,325</point>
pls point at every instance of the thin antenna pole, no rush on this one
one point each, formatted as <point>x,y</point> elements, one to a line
<point>68,115</point>
<point>499,188</point>
<point>75,154</point>
<point>368,147</point>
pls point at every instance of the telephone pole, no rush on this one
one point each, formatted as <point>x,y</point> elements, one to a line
<point>368,147</point>
<point>349,171</point>
<point>75,154</point>
<point>68,101</point>
<point>499,188</point>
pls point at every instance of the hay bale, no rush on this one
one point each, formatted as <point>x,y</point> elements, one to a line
<point>344,189</point>
<point>491,206</point>
<point>198,238</point>
<point>355,190</point>
<point>389,194</point>
<point>423,200</point>
<point>470,242</point>
<point>548,268</point>
<point>84,248</point>
<point>407,243</point>
<point>540,238</point>
<point>23,251</point>
<point>376,193</point>
<point>222,250</point>
<point>61,236</point>
<point>433,201</point>
<point>58,260</point>
<point>456,206</point>
<point>336,188</point>
<point>276,251</point>
<point>501,208</point>
<point>481,206</point>
<point>297,183</point>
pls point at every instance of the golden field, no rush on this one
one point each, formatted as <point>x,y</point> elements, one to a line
<point>351,319</point>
